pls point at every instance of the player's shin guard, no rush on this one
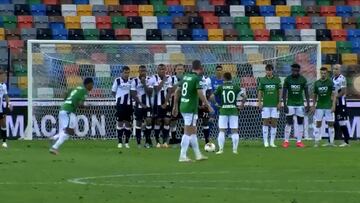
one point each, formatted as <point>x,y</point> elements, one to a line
<point>235,141</point>
<point>62,138</point>
<point>345,132</point>
<point>157,133</point>
<point>147,134</point>
<point>165,133</point>
<point>287,132</point>
<point>195,145</point>
<point>3,134</point>
<point>206,131</point>
<point>272,135</point>
<point>265,130</point>
<point>138,135</point>
<point>120,132</point>
<point>185,141</point>
<point>331,135</point>
<point>221,140</point>
<point>127,132</point>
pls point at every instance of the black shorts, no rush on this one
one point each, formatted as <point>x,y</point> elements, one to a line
<point>124,113</point>
<point>2,115</point>
<point>341,113</point>
<point>142,113</point>
<point>204,113</point>
<point>161,113</point>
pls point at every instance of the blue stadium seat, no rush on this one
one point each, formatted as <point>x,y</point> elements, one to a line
<point>199,34</point>
<point>5,2</point>
<point>248,2</point>
<point>176,10</point>
<point>267,10</point>
<point>60,34</point>
<point>165,22</point>
<point>38,10</point>
<point>353,34</point>
<point>80,1</point>
<point>57,25</point>
<point>356,46</point>
<point>115,70</point>
<point>287,23</point>
<point>343,11</point>
<point>14,91</point>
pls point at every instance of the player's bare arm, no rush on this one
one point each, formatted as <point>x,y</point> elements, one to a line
<point>279,104</point>
<point>260,97</point>
<point>334,100</point>
<point>313,107</point>
<point>204,101</point>
<point>307,98</point>
<point>167,98</point>
<point>284,97</point>
<point>175,109</point>
<point>136,98</point>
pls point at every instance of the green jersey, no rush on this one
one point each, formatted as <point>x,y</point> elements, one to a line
<point>228,92</point>
<point>73,100</point>
<point>323,89</point>
<point>189,102</point>
<point>270,88</point>
<point>295,87</point>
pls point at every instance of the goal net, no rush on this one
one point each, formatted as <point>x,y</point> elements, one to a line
<point>57,66</point>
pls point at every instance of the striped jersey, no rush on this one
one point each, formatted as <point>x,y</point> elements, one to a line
<point>137,86</point>
<point>160,96</point>
<point>3,92</point>
<point>122,88</point>
<point>340,82</point>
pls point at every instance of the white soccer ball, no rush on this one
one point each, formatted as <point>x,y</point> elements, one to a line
<point>210,147</point>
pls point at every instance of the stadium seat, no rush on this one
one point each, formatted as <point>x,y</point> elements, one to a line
<point>99,10</point>
<point>43,33</point>
<point>192,2</point>
<point>28,33</point>
<point>184,34</point>
<point>343,47</point>
<point>262,35</point>
<point>176,10</point>
<point>246,35</point>
<point>130,10</point>
<point>12,34</point>
<point>59,34</point>
<point>356,11</point>
<point>53,10</point>
<point>161,10</point>
<point>146,10</point>
<point>216,34</point>
<point>180,22</point>
<point>334,22</point>
<point>283,11</point>
<point>2,34</point>
<point>115,10</point>
<point>303,22</point>
<point>248,2</point>
<point>169,34</point>
<point>41,22</point>
<point>323,35</point>
<point>111,2</point>
<point>7,9</point>
<point>56,22</point>
<point>278,2</point>
<point>237,10</point>
<point>51,2</point>
<point>217,2</point>
<point>313,11</point>
<point>293,2</point>
<point>308,34</point>
<point>106,34</point>
<point>81,1</point>
<point>338,35</point>
<point>84,10</point>
<point>190,11</point>
<point>328,10</point>
<point>292,35</point>
<point>356,47</point>
<point>199,34</point>
<point>38,10</point>
<point>328,47</point>
<point>331,59</point>
<point>252,11</point>
<point>149,22</point>
<point>353,2</point>
<point>206,11</point>
<point>164,22</point>
<point>241,23</point>
<point>75,34</point>
<point>222,11</point>
<point>68,10</point>
<point>353,35</point>
<point>349,59</point>
<point>287,23</point>
<point>62,1</point>
<point>25,22</point>
<point>118,22</point>
<point>231,35</point>
<point>172,2</point>
<point>298,11</point>
<point>343,11</point>
<point>277,35</point>
<point>22,10</point>
<point>339,2</point>
<point>267,10</point>
<point>318,22</point>
<point>196,22</point>
<point>134,22</point>
<point>263,2</point>
<point>16,46</point>
<point>88,22</point>
<point>72,22</point>
<point>257,22</point>
<point>91,34</point>
<point>123,34</point>
<point>153,34</point>
<point>226,22</point>
<point>272,23</point>
<point>349,22</point>
<point>211,22</point>
<point>9,22</point>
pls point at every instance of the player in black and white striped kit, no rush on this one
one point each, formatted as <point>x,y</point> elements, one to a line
<point>3,95</point>
<point>141,91</point>
<point>341,113</point>
<point>121,91</point>
<point>162,112</point>
<point>206,86</point>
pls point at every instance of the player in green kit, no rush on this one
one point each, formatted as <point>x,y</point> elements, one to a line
<point>324,105</point>
<point>190,90</point>
<point>67,117</point>
<point>294,87</point>
<point>232,99</point>
<point>270,103</point>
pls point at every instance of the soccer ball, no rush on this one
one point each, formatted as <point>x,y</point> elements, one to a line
<point>210,147</point>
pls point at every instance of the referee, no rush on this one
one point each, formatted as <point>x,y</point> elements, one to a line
<point>341,114</point>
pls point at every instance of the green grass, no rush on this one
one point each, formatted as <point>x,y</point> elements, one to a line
<point>29,174</point>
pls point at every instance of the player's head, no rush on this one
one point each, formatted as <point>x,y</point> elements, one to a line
<point>336,69</point>
<point>295,69</point>
<point>142,71</point>
<point>161,70</point>
<point>88,84</point>
<point>323,73</point>
<point>125,72</point>
<point>197,67</point>
<point>2,75</point>
<point>219,70</point>
<point>179,69</point>
<point>227,76</point>
<point>269,70</point>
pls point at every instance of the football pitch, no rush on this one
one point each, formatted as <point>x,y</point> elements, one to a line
<point>96,171</point>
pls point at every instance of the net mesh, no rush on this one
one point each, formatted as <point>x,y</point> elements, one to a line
<point>56,68</point>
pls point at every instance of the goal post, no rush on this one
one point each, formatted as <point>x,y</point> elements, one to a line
<point>55,66</point>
